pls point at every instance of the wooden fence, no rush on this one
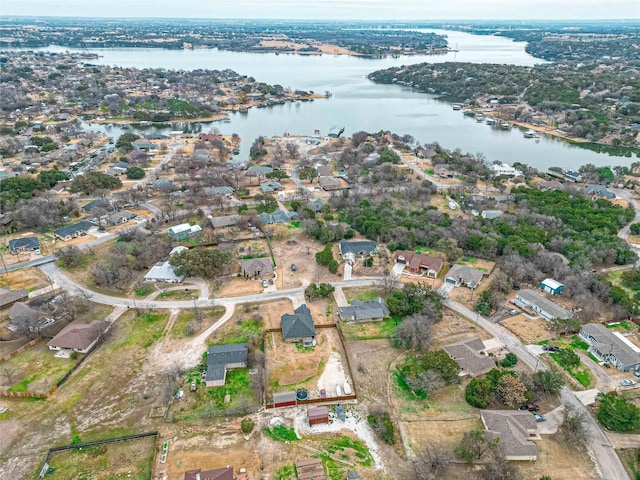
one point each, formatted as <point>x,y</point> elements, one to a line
<point>21,349</point>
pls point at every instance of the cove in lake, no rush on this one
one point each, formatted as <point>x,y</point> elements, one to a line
<point>359,104</point>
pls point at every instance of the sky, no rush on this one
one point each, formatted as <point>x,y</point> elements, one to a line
<point>331,9</point>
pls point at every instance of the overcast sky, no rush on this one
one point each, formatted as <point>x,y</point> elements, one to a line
<point>330,9</point>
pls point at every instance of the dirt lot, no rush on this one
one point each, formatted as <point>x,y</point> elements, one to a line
<point>237,287</point>
<point>131,459</point>
<point>307,270</point>
<point>528,330</point>
<point>453,328</point>
<point>291,367</point>
<point>559,462</point>
<point>29,278</point>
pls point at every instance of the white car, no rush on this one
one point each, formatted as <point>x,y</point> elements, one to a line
<point>627,383</point>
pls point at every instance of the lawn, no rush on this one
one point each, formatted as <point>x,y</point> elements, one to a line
<point>361,293</point>
<point>370,330</point>
<point>148,326</point>
<point>127,460</point>
<point>280,433</point>
<point>580,373</point>
<point>37,369</point>
<point>185,294</point>
<point>180,327</point>
<point>240,332</point>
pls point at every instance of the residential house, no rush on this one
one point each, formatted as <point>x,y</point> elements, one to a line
<point>551,286</point>
<point>144,145</point>
<point>285,399</point>
<point>310,469</point>
<point>8,297</point>
<point>18,309</point>
<point>97,205</point>
<point>271,186</point>
<point>257,268</point>
<point>225,221</point>
<point>118,168</point>
<point>25,244</point>
<point>68,232</point>
<point>226,191</point>
<point>350,251</point>
<point>178,249</point>
<point>598,191</point>
<point>163,184</point>
<point>330,183</point>
<point>184,231</point>
<point>572,176</point>
<point>550,185</point>
<point>443,170</point>
<point>464,275</point>
<point>77,336</point>
<point>364,311</point>
<point>611,347</point>
<point>468,356</point>
<point>371,159</point>
<point>514,430</point>
<point>318,415</point>
<point>317,205</point>
<point>299,327</point>
<point>505,169</point>
<point>163,272</point>
<point>216,474</point>
<point>323,171</point>
<point>22,310</point>
<point>534,302</point>
<point>418,264</point>
<point>277,217</point>
<point>258,171</point>
<point>491,214</point>
<point>221,358</point>
<point>118,218</point>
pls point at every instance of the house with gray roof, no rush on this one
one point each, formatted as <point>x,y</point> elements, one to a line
<point>8,297</point>
<point>317,205</point>
<point>118,218</point>
<point>368,311</point>
<point>257,268</point>
<point>228,191</point>
<point>277,217</point>
<point>68,232</point>
<point>468,356</point>
<point>258,171</point>
<point>77,336</point>
<point>358,249</point>
<point>597,191</point>
<point>536,303</point>
<point>464,275</point>
<point>97,205</point>
<point>221,358</point>
<point>163,272</point>
<point>299,327</point>
<point>225,221</point>
<point>514,430</point>
<point>25,244</point>
<point>271,186</point>
<point>163,184</point>
<point>491,214</point>
<point>611,347</point>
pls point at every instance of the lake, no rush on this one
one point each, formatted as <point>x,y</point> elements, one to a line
<point>359,104</point>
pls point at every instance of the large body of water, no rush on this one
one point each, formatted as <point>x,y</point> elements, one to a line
<point>359,104</point>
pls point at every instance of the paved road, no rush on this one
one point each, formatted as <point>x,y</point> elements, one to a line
<point>625,231</point>
<point>607,462</point>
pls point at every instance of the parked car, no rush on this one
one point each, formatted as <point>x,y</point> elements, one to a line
<point>550,348</point>
<point>293,267</point>
<point>627,383</point>
<point>531,407</point>
<point>323,393</point>
<point>271,281</point>
<point>637,373</point>
<point>514,312</point>
<point>264,284</point>
<point>538,417</point>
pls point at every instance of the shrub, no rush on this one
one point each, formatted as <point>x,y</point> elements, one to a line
<point>510,360</point>
<point>381,423</point>
<point>247,425</point>
<point>479,392</point>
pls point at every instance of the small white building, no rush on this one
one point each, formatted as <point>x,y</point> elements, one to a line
<point>163,272</point>
<point>505,169</point>
<point>491,214</point>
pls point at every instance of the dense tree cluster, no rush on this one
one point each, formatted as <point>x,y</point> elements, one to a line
<point>617,413</point>
<point>205,262</point>
<point>90,182</point>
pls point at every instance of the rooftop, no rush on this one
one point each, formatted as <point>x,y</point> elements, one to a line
<point>299,324</point>
<point>512,428</point>
<point>77,335</point>
<point>468,357</point>
<point>545,304</point>
<point>608,342</point>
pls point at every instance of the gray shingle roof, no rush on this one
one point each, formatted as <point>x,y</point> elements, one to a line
<point>81,226</point>
<point>257,266</point>
<point>512,428</point>
<point>467,355</point>
<point>469,275</point>
<point>607,341</point>
<point>31,243</point>
<point>544,304</point>
<point>219,356</point>
<point>356,247</point>
<point>225,221</point>
<point>368,310</point>
<point>298,325</point>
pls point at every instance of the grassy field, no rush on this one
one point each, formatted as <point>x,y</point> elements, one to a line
<point>370,330</point>
<point>580,373</point>
<point>148,327</point>
<point>239,332</point>
<point>131,460</point>
<point>209,317</point>
<point>185,294</point>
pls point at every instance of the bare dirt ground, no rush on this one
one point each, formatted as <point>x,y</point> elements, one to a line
<point>453,328</point>
<point>319,309</point>
<point>271,312</point>
<point>29,278</point>
<point>290,368</point>
<point>528,330</point>
<point>237,287</point>
<point>559,462</point>
<point>307,270</point>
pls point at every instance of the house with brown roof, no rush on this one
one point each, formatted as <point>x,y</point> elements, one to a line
<point>467,355</point>
<point>77,336</point>
<point>310,469</point>
<point>317,415</point>
<point>217,474</point>
<point>514,431</point>
<point>257,268</point>
<point>419,264</point>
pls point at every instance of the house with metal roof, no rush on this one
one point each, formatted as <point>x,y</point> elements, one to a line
<point>310,469</point>
<point>285,399</point>
<point>163,272</point>
<point>468,356</point>
<point>515,431</point>
<point>299,327</point>
<point>464,275</point>
<point>68,232</point>
<point>183,231</point>
<point>611,347</point>
<point>551,286</point>
<point>536,303</point>
<point>221,358</point>
<point>364,311</point>
<point>491,214</point>
<point>25,244</point>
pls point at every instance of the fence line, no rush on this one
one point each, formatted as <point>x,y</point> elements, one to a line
<point>21,349</point>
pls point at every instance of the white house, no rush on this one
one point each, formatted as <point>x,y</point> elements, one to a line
<point>535,302</point>
<point>505,169</point>
<point>163,272</point>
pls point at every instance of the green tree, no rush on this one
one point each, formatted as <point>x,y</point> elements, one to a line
<point>48,178</point>
<point>134,173</point>
<point>202,262</point>
<point>92,181</point>
<point>635,228</point>
<point>381,423</point>
<point>616,413</point>
<point>548,382</point>
<point>510,360</point>
<point>474,445</point>
<point>415,298</point>
<point>124,142</point>
<point>479,392</point>
<point>568,358</point>
<point>389,156</point>
<point>277,174</point>
<point>321,290</point>
<point>266,203</point>
<point>247,425</point>
<point>308,173</point>
<point>325,257</point>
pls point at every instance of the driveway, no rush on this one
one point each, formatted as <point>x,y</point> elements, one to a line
<point>553,421</point>
<point>588,397</point>
<point>604,382</point>
<point>348,270</point>
<point>341,300</point>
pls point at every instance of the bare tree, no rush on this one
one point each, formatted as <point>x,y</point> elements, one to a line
<point>170,381</point>
<point>10,374</point>
<point>573,431</point>
<point>387,284</point>
<point>433,462</point>
<point>414,332</point>
<point>499,468</point>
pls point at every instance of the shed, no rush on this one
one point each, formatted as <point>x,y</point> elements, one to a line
<point>318,415</point>
<point>284,399</point>
<point>551,286</point>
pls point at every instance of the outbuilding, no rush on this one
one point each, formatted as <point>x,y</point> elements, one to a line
<point>318,415</point>
<point>551,286</point>
<point>284,399</point>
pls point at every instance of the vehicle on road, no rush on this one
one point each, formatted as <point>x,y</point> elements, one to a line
<point>271,281</point>
<point>539,418</point>
<point>514,312</point>
<point>550,348</point>
<point>531,407</point>
<point>627,383</point>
